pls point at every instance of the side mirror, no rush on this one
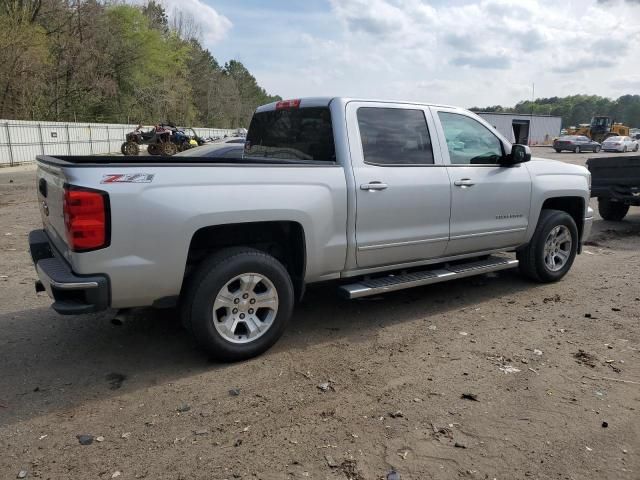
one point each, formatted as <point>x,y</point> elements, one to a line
<point>519,154</point>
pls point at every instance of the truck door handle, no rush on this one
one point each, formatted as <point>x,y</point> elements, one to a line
<point>374,186</point>
<point>464,182</point>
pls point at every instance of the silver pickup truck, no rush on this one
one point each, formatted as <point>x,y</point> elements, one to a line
<point>373,195</point>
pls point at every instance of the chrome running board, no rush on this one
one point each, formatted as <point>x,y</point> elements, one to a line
<point>390,283</point>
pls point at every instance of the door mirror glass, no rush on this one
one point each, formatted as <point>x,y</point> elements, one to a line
<point>519,154</point>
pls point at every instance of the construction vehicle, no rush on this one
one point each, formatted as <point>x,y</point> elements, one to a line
<point>600,128</point>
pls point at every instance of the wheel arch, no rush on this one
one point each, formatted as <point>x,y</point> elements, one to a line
<point>574,206</point>
<point>284,240</point>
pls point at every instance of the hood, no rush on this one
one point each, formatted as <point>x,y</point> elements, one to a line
<point>544,166</point>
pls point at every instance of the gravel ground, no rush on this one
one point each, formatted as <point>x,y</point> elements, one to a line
<point>397,366</point>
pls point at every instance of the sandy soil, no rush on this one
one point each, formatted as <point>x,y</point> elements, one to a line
<point>398,367</point>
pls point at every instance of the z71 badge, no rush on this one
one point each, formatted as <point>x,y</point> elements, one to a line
<point>128,178</point>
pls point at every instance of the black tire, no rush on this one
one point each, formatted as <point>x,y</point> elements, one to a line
<point>637,148</point>
<point>153,149</point>
<point>597,149</point>
<point>123,148</point>
<point>168,149</point>
<point>577,149</point>
<point>531,258</point>
<point>131,148</point>
<point>612,211</point>
<point>206,283</point>
<point>557,150</point>
<point>624,150</point>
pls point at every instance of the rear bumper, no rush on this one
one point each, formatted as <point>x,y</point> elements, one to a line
<point>72,294</point>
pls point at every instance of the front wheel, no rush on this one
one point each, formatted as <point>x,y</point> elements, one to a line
<point>613,211</point>
<point>131,148</point>
<point>553,248</point>
<point>557,150</point>
<point>597,149</point>
<point>577,149</point>
<point>238,303</point>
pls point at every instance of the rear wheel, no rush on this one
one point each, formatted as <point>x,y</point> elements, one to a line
<point>610,210</point>
<point>168,148</point>
<point>552,250</point>
<point>238,303</point>
<point>597,149</point>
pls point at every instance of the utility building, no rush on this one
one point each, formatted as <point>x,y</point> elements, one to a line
<point>525,129</point>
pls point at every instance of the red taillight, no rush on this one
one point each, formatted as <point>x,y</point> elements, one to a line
<point>86,218</point>
<point>288,104</point>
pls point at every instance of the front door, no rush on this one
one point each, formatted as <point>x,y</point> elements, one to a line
<point>403,190</point>
<point>489,203</point>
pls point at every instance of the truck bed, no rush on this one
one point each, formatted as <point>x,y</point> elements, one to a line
<point>124,160</point>
<point>614,174</point>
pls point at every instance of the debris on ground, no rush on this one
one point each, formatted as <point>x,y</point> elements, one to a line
<point>605,424</point>
<point>464,334</point>
<point>555,298</point>
<point>331,462</point>
<point>396,414</point>
<point>509,369</point>
<point>185,407</point>
<point>537,352</point>
<point>85,439</point>
<point>116,474</point>
<point>125,435</point>
<point>469,396</point>
<point>459,445</point>
<point>100,439</point>
<point>202,431</point>
<point>393,475</point>
<point>404,454</point>
<point>22,474</point>
<point>326,386</point>
<point>585,358</point>
<point>234,392</point>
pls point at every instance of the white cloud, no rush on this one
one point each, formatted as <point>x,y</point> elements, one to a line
<point>486,52</point>
<point>213,25</point>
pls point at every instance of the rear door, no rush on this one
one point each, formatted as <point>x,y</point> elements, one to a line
<point>403,189</point>
<point>489,203</point>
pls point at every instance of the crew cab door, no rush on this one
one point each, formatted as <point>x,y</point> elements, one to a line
<point>490,203</point>
<point>402,187</point>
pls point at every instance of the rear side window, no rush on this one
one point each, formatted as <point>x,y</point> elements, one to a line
<point>394,136</point>
<point>292,134</point>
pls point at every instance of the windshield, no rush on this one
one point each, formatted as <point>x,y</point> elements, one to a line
<point>292,134</point>
<point>613,139</point>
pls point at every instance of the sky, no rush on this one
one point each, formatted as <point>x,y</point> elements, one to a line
<point>455,52</point>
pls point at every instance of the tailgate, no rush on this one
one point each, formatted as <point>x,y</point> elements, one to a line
<point>50,183</point>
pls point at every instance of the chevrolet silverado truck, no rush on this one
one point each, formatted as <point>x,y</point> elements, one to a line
<point>375,196</point>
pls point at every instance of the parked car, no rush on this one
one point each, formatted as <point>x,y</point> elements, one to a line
<point>620,144</point>
<point>576,143</point>
<point>215,150</point>
<point>362,193</point>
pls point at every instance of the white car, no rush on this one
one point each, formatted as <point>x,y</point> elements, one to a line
<point>620,144</point>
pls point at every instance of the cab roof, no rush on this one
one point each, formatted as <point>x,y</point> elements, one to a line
<point>325,101</point>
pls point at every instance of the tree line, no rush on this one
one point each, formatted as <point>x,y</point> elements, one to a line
<point>577,109</point>
<point>105,61</point>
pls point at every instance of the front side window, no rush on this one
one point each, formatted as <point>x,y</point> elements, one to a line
<point>469,142</point>
<point>394,136</point>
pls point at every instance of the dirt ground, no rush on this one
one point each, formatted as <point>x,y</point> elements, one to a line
<point>551,376</point>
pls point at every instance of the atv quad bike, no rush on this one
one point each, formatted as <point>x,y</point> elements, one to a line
<point>160,141</point>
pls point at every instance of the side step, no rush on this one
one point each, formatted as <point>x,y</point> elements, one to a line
<point>390,283</point>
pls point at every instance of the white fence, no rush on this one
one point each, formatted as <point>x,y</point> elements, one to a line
<point>21,141</point>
